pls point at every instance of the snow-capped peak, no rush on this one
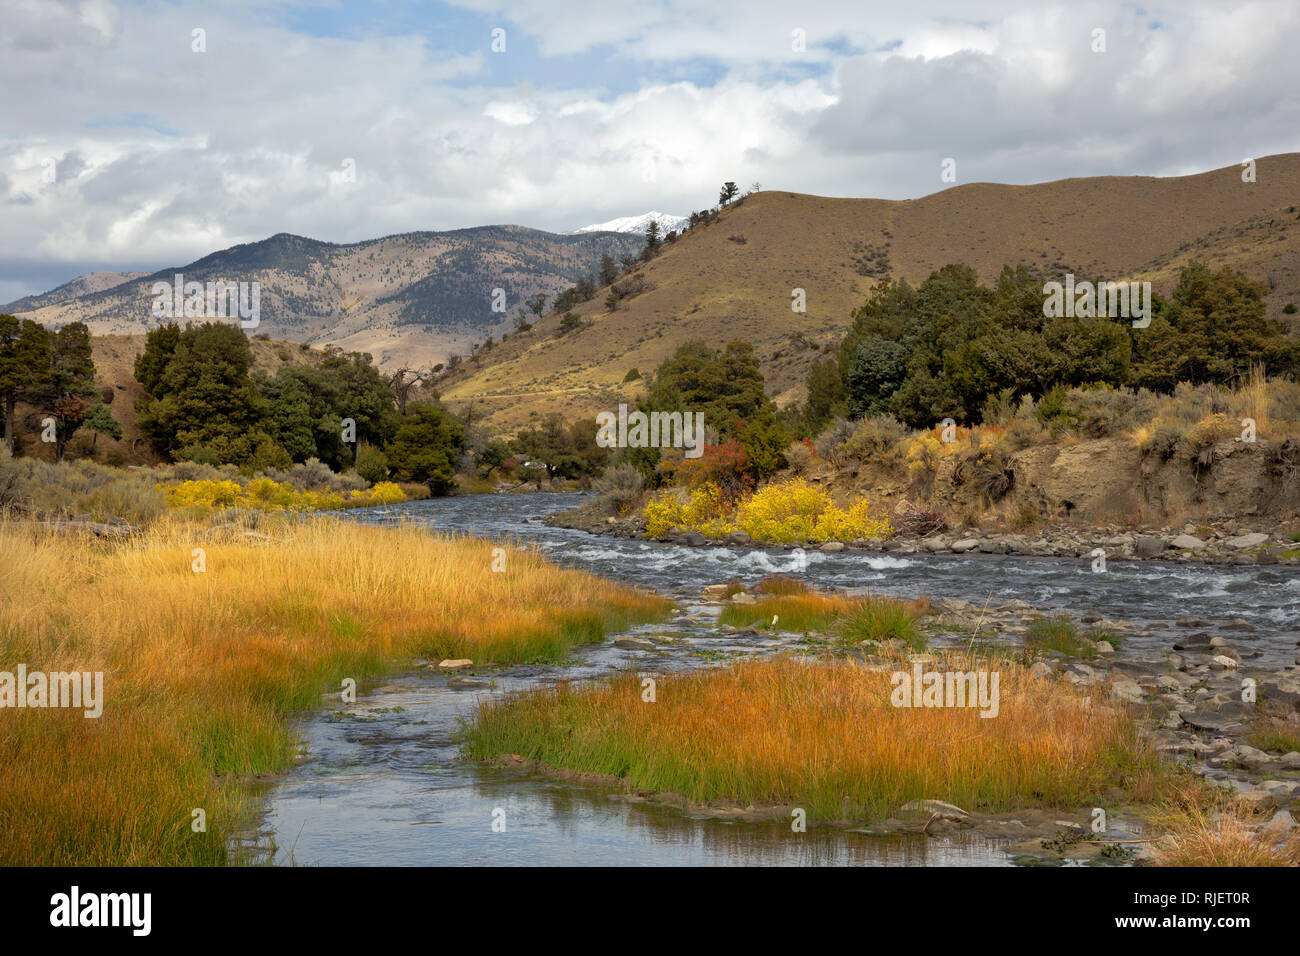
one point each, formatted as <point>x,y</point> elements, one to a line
<point>638,224</point>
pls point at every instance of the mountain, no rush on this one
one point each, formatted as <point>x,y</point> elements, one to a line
<point>734,277</point>
<point>637,225</point>
<point>409,299</point>
<point>82,285</point>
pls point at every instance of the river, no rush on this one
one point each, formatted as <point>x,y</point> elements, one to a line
<point>381,782</point>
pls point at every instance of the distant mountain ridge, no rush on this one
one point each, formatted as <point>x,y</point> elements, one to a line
<point>409,299</point>
<point>637,225</point>
<point>82,285</point>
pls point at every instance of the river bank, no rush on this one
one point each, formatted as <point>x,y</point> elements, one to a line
<point>1242,542</point>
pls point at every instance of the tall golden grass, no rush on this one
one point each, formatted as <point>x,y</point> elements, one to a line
<point>200,667</point>
<point>1206,827</point>
<point>823,735</point>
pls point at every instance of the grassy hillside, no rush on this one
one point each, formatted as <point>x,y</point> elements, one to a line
<point>734,278</point>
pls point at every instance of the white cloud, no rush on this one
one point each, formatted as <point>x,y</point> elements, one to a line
<point>163,154</point>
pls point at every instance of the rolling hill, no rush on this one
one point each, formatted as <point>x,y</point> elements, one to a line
<point>734,278</point>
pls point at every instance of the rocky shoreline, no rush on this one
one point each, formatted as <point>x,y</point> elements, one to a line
<point>1227,542</point>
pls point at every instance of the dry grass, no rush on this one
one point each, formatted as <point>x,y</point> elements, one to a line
<point>1205,827</point>
<point>824,736</point>
<point>703,282</point>
<point>199,667</point>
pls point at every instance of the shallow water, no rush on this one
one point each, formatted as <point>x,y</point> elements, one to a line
<point>381,782</point>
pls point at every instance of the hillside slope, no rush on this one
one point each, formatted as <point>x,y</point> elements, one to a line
<point>734,278</point>
<point>410,299</point>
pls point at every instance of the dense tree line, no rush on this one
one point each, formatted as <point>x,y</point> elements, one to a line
<point>946,347</point>
<point>206,402</point>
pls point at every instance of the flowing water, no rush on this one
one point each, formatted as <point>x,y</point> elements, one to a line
<point>381,781</point>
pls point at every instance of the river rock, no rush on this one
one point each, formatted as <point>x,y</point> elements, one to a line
<point>714,592</point>
<point>634,643</point>
<point>1289,761</point>
<point>945,811</point>
<point>1148,546</point>
<point>455,664</point>
<point>832,547</point>
<point>1279,828</point>
<point>936,545</point>
<point>466,683</point>
<point>696,540</point>
<point>1041,670</point>
<point>738,536</point>
<point>1282,789</point>
<point>1187,542</point>
<point>1237,624</point>
<point>964,545</point>
<point>1222,662</point>
<point>1126,690</point>
<point>741,597</point>
<point>1209,720</point>
<point>1257,799</point>
<point>1246,756</point>
<point>1252,540</point>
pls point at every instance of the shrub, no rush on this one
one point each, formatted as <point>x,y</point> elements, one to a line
<point>1022,433</point>
<point>700,510</point>
<point>194,471</point>
<point>923,455</point>
<point>1209,431</point>
<point>876,439</point>
<point>632,375</point>
<point>372,464</point>
<point>620,487</point>
<point>1163,441</point>
<point>1103,411</point>
<point>830,445</point>
<point>199,454</point>
<point>268,454</point>
<point>784,512</point>
<point>726,465</point>
<point>799,455</point>
<point>77,488</point>
<point>265,493</point>
<point>794,511</point>
<point>988,469</point>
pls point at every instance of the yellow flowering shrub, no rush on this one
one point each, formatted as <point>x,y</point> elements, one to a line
<point>702,511</point>
<point>792,511</point>
<point>785,512</point>
<point>266,494</point>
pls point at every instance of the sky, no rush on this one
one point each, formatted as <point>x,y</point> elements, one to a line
<point>143,135</point>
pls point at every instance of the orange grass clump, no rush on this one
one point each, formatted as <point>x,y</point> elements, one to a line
<point>824,736</point>
<point>199,667</point>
